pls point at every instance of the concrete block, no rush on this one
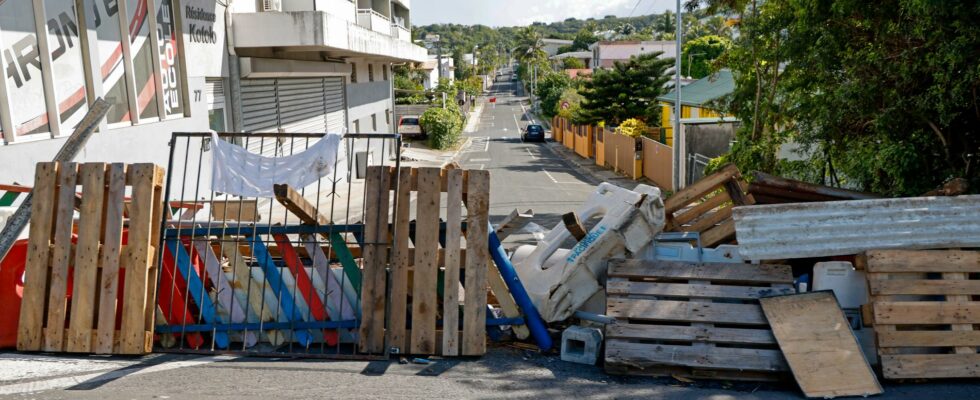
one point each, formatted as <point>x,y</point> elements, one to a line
<point>581,345</point>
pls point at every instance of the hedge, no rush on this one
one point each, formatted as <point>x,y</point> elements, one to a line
<point>444,127</point>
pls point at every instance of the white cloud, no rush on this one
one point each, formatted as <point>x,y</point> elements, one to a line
<point>524,12</point>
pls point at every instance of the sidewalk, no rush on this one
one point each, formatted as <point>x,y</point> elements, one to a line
<point>588,167</point>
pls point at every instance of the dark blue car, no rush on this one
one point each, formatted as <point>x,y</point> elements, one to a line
<point>533,133</point>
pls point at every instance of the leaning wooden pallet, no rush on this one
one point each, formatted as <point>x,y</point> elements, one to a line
<point>693,320</point>
<point>924,313</point>
<point>100,260</point>
<point>417,303</point>
<point>706,206</point>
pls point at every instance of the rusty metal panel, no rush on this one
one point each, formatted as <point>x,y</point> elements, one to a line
<point>784,231</point>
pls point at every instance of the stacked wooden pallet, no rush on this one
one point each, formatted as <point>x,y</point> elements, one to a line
<point>706,206</point>
<point>417,300</point>
<point>924,312</point>
<point>693,320</point>
<point>96,259</point>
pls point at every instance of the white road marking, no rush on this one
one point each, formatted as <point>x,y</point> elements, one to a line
<point>519,124</point>
<point>560,182</point>
<point>534,156</point>
<point>480,159</point>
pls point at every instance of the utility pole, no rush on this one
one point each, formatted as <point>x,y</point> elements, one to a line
<point>677,106</point>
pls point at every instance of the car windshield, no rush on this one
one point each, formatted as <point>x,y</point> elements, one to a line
<point>410,121</point>
<point>535,128</point>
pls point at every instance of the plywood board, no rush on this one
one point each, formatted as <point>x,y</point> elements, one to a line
<point>819,346</point>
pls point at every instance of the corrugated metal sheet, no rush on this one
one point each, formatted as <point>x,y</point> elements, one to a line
<point>784,231</point>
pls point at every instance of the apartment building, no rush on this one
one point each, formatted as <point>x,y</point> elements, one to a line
<point>189,66</point>
<point>606,53</point>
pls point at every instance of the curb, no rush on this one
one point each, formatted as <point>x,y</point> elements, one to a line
<point>587,167</point>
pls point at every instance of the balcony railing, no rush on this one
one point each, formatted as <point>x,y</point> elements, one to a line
<point>401,32</point>
<point>373,20</point>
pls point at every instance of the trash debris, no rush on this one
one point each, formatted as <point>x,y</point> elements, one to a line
<point>422,361</point>
<point>581,345</point>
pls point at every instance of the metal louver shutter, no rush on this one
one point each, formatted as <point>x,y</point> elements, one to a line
<point>293,105</point>
<point>301,105</point>
<point>336,108</point>
<point>260,108</point>
<point>214,92</point>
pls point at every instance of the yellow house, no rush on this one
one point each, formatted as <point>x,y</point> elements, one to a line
<point>694,96</point>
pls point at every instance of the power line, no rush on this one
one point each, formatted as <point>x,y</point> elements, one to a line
<point>634,8</point>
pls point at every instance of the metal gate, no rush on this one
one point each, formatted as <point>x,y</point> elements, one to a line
<point>265,276</point>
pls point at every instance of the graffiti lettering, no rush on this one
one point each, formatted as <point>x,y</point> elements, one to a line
<point>62,27</point>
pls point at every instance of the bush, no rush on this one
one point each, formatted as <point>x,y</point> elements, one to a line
<point>633,128</point>
<point>573,63</point>
<point>443,126</point>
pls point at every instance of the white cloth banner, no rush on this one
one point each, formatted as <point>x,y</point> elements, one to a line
<point>237,171</point>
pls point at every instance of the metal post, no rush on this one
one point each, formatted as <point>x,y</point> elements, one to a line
<point>677,104</point>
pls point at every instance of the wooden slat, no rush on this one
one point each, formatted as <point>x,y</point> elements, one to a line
<point>424,294</point>
<point>926,312</point>
<point>137,259</point>
<point>683,311</point>
<point>908,366</point>
<point>928,338</point>
<point>261,301</point>
<point>57,302</point>
<point>819,347</point>
<point>454,215</point>
<point>299,206</point>
<point>923,261</point>
<point>401,259</point>
<point>699,189</point>
<point>634,289</point>
<point>960,300</point>
<point>375,252</point>
<point>714,272</point>
<point>689,333</point>
<point>642,355</point>
<point>477,252</point>
<point>153,270</point>
<point>38,250</point>
<point>84,286</point>
<point>923,286</point>
<point>709,221</point>
<point>720,234</point>
<point>698,210</point>
<point>111,250</point>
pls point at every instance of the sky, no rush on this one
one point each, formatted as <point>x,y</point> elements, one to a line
<point>524,12</point>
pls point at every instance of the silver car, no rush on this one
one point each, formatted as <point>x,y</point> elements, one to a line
<point>408,126</point>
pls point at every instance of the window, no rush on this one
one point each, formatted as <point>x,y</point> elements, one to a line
<point>103,16</point>
<point>172,82</point>
<point>370,72</point>
<point>388,117</point>
<point>374,122</point>
<point>357,126</point>
<point>22,69</point>
<point>142,56</point>
<point>384,72</point>
<point>68,75</point>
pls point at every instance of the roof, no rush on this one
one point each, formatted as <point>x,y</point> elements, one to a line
<point>703,90</point>
<point>573,54</point>
<point>575,73</point>
<point>555,41</point>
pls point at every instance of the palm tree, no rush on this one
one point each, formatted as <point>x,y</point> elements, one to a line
<point>530,45</point>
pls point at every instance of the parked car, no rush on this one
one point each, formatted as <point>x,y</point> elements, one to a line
<point>408,126</point>
<point>533,133</point>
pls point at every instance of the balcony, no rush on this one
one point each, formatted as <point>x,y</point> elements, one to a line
<point>401,33</point>
<point>373,20</point>
<point>319,31</point>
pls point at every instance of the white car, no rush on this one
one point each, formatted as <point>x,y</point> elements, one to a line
<point>408,126</point>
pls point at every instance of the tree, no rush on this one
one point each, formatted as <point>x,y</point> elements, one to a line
<point>628,90</point>
<point>584,38</point>
<point>550,89</point>
<point>702,52</point>
<point>573,63</point>
<point>626,29</point>
<point>569,104</point>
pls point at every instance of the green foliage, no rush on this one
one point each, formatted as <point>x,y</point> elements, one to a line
<point>628,90</point>
<point>883,95</point>
<point>443,126</point>
<point>472,86</point>
<point>633,128</point>
<point>585,37</point>
<point>550,89</point>
<point>573,100</point>
<point>573,63</point>
<point>702,52</point>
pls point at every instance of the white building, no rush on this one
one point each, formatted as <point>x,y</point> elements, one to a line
<point>431,78</point>
<point>189,66</point>
<point>551,46</point>
<point>606,53</point>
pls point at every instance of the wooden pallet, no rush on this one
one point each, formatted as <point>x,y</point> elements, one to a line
<point>693,320</point>
<point>96,263</point>
<point>924,311</point>
<point>423,307</point>
<point>706,206</point>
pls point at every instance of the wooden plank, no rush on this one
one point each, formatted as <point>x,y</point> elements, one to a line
<point>708,221</point>
<point>228,305</point>
<point>375,257</point>
<point>923,261</point>
<point>137,259</point>
<point>634,289</point>
<point>401,259</point>
<point>923,286</point>
<point>299,206</point>
<point>111,251</point>
<point>926,312</point>
<point>38,250</point>
<point>257,294</point>
<point>153,271</point>
<point>513,222</point>
<point>714,272</point>
<point>317,309</point>
<point>424,295</point>
<point>928,338</point>
<point>57,302</point>
<point>736,191</point>
<point>574,225</point>
<point>84,287</point>
<point>454,215</point>
<point>689,333</point>
<point>478,254</point>
<point>693,373</point>
<point>683,311</point>
<point>510,224</point>
<point>819,347</point>
<point>290,310</point>
<point>699,210</point>
<point>909,366</point>
<point>959,300</point>
<point>699,189</point>
<point>721,234</point>
<point>643,355</point>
